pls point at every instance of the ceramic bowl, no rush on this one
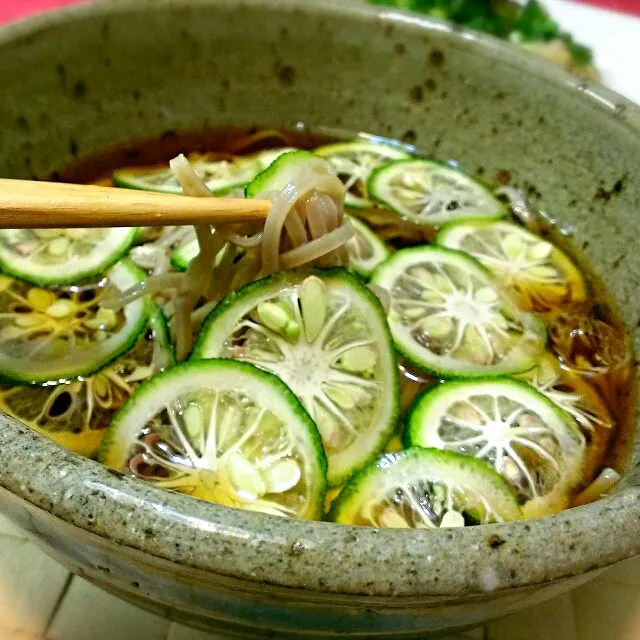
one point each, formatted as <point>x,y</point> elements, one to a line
<point>100,74</point>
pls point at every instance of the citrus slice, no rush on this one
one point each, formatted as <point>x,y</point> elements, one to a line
<point>325,335</point>
<point>448,316</point>
<point>430,193</point>
<point>425,489</point>
<point>354,162</point>
<point>220,176</point>
<point>182,255</point>
<point>571,393</point>
<point>76,413</point>
<point>51,335</point>
<point>581,401</point>
<point>288,169</point>
<point>222,431</point>
<point>534,445</point>
<point>54,257</point>
<point>269,156</point>
<point>540,275</point>
<point>366,250</point>
<point>187,250</point>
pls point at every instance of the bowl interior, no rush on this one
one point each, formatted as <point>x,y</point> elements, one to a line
<point>99,75</point>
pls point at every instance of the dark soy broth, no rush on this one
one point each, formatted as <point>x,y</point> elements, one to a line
<point>588,338</point>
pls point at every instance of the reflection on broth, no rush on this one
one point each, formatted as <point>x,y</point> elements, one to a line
<point>516,383</point>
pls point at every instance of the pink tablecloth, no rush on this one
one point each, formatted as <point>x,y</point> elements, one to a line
<point>12,9</point>
<point>626,6</point>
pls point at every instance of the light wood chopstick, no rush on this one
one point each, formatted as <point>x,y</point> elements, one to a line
<point>28,204</point>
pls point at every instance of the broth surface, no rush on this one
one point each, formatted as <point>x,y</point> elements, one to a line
<point>579,335</point>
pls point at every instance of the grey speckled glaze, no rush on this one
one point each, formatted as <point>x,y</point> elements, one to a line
<point>83,78</point>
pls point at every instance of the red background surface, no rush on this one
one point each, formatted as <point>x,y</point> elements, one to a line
<point>628,6</point>
<point>12,9</point>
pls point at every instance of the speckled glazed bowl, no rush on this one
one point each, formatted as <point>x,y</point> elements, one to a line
<point>74,81</point>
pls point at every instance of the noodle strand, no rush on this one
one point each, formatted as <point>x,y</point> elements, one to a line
<point>317,248</point>
<point>305,225</point>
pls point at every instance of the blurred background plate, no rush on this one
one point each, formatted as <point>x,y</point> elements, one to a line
<point>614,37</point>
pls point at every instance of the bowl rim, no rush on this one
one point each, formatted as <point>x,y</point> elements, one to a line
<point>319,556</point>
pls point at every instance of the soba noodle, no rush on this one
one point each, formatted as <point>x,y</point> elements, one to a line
<point>305,225</point>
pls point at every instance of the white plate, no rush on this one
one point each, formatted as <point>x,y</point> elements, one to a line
<point>614,38</point>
